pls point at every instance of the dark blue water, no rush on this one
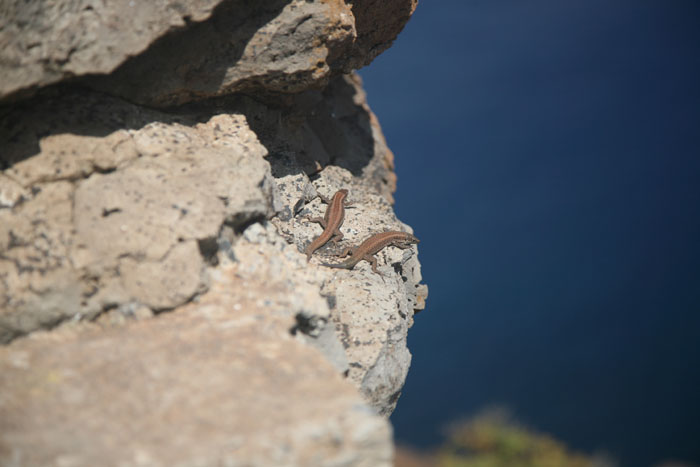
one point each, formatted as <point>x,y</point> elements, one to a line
<point>548,155</point>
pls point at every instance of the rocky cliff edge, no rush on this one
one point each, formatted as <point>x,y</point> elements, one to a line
<point>159,165</point>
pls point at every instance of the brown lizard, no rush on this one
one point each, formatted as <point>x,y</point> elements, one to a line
<point>372,246</point>
<point>331,222</point>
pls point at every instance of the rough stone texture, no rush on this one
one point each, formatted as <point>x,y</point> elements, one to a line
<point>221,382</point>
<point>371,313</point>
<point>11,192</point>
<point>195,49</point>
<point>113,211</point>
<point>156,305</point>
<point>377,23</point>
<point>45,42</point>
<point>119,218</point>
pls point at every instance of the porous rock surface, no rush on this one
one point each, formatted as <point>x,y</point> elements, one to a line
<point>220,382</point>
<point>169,52</point>
<point>156,306</point>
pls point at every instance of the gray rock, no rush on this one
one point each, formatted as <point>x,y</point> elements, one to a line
<point>136,215</point>
<point>45,42</point>
<point>278,46</point>
<point>155,301</point>
<point>11,192</point>
<point>210,385</point>
<point>327,342</point>
<point>168,282</point>
<point>123,217</point>
<point>169,52</point>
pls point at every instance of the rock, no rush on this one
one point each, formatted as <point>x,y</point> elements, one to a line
<point>139,215</point>
<point>121,217</point>
<point>156,306</point>
<point>320,128</point>
<point>164,284</point>
<point>214,384</point>
<point>47,42</point>
<point>11,192</point>
<point>171,52</point>
<point>277,46</point>
<point>378,23</point>
<point>371,313</point>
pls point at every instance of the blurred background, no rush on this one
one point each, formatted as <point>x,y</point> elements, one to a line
<point>548,155</point>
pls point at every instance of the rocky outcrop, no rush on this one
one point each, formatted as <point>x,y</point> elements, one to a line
<point>155,303</point>
<point>220,383</point>
<point>170,52</point>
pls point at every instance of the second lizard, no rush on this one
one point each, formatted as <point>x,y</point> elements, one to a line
<point>331,222</point>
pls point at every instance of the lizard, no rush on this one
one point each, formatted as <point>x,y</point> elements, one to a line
<point>373,245</point>
<point>331,222</point>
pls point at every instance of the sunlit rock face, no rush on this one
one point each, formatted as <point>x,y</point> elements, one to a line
<point>158,173</point>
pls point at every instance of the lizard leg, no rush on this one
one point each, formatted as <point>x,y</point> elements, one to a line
<point>347,251</point>
<point>318,220</point>
<point>373,261</point>
<point>337,236</point>
<point>323,198</point>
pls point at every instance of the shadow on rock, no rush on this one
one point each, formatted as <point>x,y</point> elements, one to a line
<point>316,129</point>
<point>302,133</point>
<point>193,63</point>
<point>171,177</point>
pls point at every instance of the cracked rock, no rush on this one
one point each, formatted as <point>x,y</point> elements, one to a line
<point>169,52</point>
<point>156,304</point>
<point>86,239</point>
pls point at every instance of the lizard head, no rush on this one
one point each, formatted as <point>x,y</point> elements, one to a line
<point>410,240</point>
